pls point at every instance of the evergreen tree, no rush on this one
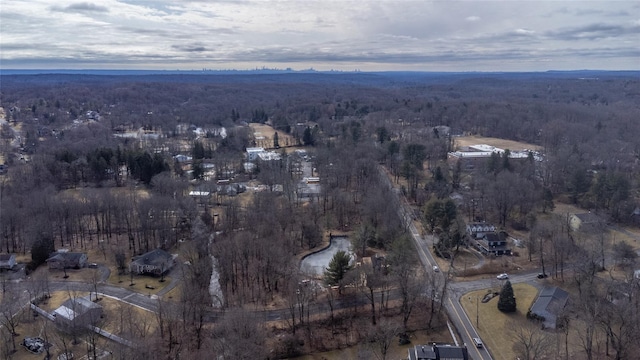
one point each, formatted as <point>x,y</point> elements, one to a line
<point>198,170</point>
<point>198,152</point>
<point>506,165</point>
<point>338,267</point>
<point>307,137</point>
<point>507,301</point>
<point>547,200</point>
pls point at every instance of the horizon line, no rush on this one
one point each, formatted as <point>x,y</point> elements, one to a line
<point>17,71</point>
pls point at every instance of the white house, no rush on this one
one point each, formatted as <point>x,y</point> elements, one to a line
<point>7,261</point>
<point>254,152</point>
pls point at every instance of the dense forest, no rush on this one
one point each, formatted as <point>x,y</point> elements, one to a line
<point>75,179</point>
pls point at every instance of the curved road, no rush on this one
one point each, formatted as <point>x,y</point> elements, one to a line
<point>457,315</point>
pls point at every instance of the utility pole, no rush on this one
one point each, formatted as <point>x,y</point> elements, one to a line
<point>477,313</point>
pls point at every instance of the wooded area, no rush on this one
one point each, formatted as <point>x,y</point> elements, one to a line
<point>92,162</point>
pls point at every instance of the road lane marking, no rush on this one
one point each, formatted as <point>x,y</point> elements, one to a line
<point>464,327</point>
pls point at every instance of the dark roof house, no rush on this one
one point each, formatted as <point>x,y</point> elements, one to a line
<point>585,222</point>
<point>549,305</point>
<point>492,243</point>
<point>67,260</point>
<point>155,262</point>
<point>438,352</point>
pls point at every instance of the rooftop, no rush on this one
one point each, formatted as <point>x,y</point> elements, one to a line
<point>154,257</point>
<point>549,304</point>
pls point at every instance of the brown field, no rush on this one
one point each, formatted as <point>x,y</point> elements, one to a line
<point>39,326</point>
<point>499,143</point>
<point>148,285</point>
<point>113,308</point>
<point>267,132</point>
<point>493,329</point>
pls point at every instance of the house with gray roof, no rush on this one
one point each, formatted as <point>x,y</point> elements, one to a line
<point>67,260</point>
<point>549,305</point>
<point>76,313</point>
<point>155,262</point>
<point>585,222</point>
<point>438,352</point>
<point>7,261</point>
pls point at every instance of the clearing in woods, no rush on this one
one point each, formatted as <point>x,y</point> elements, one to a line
<point>499,143</point>
<point>264,136</point>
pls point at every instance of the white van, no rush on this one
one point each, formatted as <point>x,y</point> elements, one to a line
<point>477,342</point>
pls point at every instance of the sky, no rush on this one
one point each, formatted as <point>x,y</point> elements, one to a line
<point>364,35</point>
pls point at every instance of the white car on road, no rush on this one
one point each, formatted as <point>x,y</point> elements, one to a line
<point>502,276</point>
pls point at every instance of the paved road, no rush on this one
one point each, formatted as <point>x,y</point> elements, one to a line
<point>457,315</point>
<point>451,301</point>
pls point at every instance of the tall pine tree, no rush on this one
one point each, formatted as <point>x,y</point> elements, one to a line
<point>338,267</point>
<point>507,301</point>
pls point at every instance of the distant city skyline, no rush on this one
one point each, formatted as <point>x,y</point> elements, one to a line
<point>375,35</point>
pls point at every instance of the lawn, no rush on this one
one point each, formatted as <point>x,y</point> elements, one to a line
<point>264,136</point>
<point>494,325</point>
<point>118,313</point>
<point>40,327</point>
<point>148,285</point>
<point>499,143</point>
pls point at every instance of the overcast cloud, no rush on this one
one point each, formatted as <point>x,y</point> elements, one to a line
<point>324,35</point>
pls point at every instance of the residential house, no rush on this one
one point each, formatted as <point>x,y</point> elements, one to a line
<point>494,244</point>
<point>585,222</point>
<point>486,240</point>
<point>77,313</point>
<point>7,261</point>
<point>438,352</point>
<point>67,260</point>
<point>549,306</point>
<point>254,152</point>
<point>477,230</point>
<point>155,262</point>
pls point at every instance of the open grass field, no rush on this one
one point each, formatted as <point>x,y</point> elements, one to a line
<point>117,316</point>
<point>148,285</point>
<point>30,326</point>
<point>264,136</point>
<point>493,324</point>
<point>117,313</point>
<point>499,143</point>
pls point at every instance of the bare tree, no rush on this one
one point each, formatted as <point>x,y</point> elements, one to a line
<point>381,336</point>
<point>589,307</point>
<point>239,336</point>
<point>409,278</point>
<point>531,341</point>
<point>10,308</point>
<point>619,318</point>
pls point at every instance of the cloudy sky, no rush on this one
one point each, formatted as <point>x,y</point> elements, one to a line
<point>367,35</point>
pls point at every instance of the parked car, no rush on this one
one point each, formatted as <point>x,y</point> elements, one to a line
<point>477,342</point>
<point>502,276</point>
<point>542,275</point>
<point>92,265</point>
<point>436,269</point>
